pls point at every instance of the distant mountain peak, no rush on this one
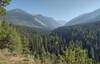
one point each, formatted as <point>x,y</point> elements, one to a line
<point>17,10</point>
<point>20,17</point>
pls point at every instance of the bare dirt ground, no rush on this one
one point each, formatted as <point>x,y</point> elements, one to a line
<point>8,58</point>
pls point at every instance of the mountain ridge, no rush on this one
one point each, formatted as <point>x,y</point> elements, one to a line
<point>21,17</point>
<point>85,18</point>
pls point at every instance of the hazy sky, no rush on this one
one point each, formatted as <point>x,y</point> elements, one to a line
<point>58,9</point>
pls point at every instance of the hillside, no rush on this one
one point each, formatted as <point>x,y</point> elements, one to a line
<point>22,18</point>
<point>85,18</point>
<point>86,35</point>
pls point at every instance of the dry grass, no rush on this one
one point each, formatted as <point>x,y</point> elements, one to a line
<point>8,58</point>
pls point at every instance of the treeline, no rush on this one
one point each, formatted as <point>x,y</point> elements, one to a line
<point>86,35</point>
<point>44,48</point>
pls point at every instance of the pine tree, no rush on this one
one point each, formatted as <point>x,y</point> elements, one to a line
<point>77,56</point>
<point>10,38</point>
<point>3,4</point>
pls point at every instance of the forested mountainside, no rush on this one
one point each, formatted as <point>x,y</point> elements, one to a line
<point>85,35</point>
<point>38,47</point>
<point>65,45</point>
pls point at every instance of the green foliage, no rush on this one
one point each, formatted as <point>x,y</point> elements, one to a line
<point>44,48</point>
<point>76,56</point>
<point>9,38</point>
<point>86,34</point>
<point>2,11</point>
<point>3,4</point>
<point>72,55</point>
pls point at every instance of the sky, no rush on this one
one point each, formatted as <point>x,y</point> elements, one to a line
<point>58,9</point>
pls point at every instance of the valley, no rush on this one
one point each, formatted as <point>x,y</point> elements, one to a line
<point>27,38</point>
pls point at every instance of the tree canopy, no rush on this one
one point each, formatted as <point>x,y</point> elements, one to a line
<point>3,4</point>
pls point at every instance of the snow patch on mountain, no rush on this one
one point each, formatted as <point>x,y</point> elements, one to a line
<point>39,21</point>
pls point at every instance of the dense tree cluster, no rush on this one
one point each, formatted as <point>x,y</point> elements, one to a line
<point>87,36</point>
<point>43,47</point>
<point>72,55</point>
<point>9,38</point>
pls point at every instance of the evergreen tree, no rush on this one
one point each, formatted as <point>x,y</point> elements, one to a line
<point>3,4</point>
<point>77,56</point>
<point>10,38</point>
